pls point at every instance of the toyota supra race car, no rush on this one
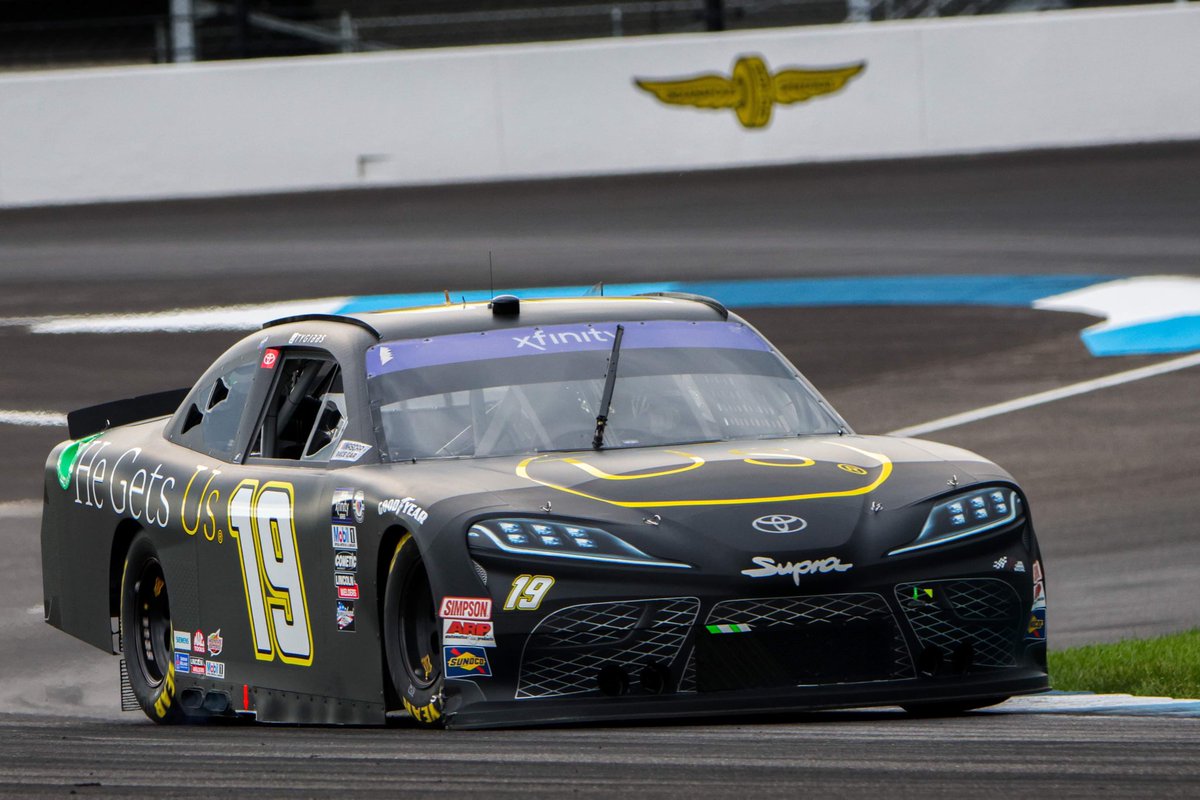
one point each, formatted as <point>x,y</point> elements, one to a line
<point>492,514</point>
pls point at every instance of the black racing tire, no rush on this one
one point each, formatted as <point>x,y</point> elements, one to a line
<point>951,708</point>
<point>147,638</point>
<point>412,636</point>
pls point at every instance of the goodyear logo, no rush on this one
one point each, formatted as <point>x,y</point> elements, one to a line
<point>751,91</point>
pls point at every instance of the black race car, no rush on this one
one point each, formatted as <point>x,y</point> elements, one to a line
<point>526,512</point>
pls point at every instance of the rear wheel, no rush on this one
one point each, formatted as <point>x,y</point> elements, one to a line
<point>412,635</point>
<point>952,708</point>
<point>147,638</point>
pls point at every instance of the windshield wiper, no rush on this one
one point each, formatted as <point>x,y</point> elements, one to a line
<point>610,380</point>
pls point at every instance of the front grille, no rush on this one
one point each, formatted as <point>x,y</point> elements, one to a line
<point>982,615</point>
<point>814,639</point>
<point>566,652</point>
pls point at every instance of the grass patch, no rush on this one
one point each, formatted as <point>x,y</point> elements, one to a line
<point>1167,666</point>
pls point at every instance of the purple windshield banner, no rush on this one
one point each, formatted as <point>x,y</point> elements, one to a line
<point>459,348</point>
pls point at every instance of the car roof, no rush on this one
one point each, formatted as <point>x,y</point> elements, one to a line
<point>410,323</point>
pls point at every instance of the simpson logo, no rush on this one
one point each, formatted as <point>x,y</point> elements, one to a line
<point>345,561</point>
<point>345,537</point>
<point>466,608</point>
<point>215,669</point>
<point>215,643</point>
<point>183,640</point>
<point>468,632</point>
<point>198,642</point>
<point>467,662</point>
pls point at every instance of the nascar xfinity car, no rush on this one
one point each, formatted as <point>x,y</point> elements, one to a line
<point>527,512</point>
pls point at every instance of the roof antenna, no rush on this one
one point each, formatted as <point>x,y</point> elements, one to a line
<point>596,290</point>
<point>491,282</point>
<point>447,293</point>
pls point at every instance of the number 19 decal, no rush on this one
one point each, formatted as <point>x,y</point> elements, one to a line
<point>260,518</point>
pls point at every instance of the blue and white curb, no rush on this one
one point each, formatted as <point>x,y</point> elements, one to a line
<point>1097,704</point>
<point>1144,315</point>
<point>1151,314</point>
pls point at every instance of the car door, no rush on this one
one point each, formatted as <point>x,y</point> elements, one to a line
<point>281,586</point>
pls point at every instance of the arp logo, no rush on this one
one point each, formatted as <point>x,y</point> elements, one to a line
<point>460,627</point>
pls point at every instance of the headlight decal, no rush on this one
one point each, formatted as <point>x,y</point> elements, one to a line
<point>546,538</point>
<point>964,515</point>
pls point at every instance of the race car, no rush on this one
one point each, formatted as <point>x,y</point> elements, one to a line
<point>526,512</point>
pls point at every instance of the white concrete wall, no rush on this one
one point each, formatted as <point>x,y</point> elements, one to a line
<point>930,87</point>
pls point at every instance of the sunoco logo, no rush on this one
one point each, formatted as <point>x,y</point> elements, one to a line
<point>467,661</point>
<point>779,523</point>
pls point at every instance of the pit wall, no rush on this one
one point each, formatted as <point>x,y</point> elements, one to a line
<point>930,87</point>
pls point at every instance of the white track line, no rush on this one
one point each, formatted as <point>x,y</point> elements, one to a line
<point>38,418</point>
<point>1051,395</point>
<point>19,509</point>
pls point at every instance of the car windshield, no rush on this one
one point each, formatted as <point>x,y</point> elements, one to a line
<point>521,391</point>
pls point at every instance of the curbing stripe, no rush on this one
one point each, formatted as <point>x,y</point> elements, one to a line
<point>1098,704</point>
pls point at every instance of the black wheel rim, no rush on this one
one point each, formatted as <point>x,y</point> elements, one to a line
<point>155,643</point>
<point>420,634</point>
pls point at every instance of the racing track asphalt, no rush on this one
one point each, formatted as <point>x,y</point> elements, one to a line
<point>1111,475</point>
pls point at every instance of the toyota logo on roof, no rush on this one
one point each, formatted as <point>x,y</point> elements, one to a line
<point>779,523</point>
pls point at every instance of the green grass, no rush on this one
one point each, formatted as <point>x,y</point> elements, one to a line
<point>1167,666</point>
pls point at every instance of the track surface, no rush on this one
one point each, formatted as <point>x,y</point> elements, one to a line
<point>1111,475</point>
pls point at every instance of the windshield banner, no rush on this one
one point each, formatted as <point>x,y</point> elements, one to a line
<point>458,348</point>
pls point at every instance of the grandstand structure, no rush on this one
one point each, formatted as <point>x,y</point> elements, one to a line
<point>35,34</point>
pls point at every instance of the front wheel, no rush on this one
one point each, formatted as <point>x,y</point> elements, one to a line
<point>412,635</point>
<point>147,638</point>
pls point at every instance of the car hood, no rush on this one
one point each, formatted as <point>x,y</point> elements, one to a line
<point>740,495</point>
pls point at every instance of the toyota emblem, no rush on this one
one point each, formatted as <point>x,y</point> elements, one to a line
<point>780,523</point>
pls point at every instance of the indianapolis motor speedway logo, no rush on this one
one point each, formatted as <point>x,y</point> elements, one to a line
<point>752,91</point>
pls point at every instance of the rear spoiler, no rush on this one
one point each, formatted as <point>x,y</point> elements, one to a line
<point>94,419</point>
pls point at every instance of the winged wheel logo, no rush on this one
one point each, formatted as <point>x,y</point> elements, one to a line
<point>752,90</point>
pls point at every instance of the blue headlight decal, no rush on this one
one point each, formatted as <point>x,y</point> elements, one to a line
<point>966,514</point>
<point>545,538</point>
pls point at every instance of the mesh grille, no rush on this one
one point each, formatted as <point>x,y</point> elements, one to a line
<point>567,650</point>
<point>688,682</point>
<point>792,612</point>
<point>983,613</point>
